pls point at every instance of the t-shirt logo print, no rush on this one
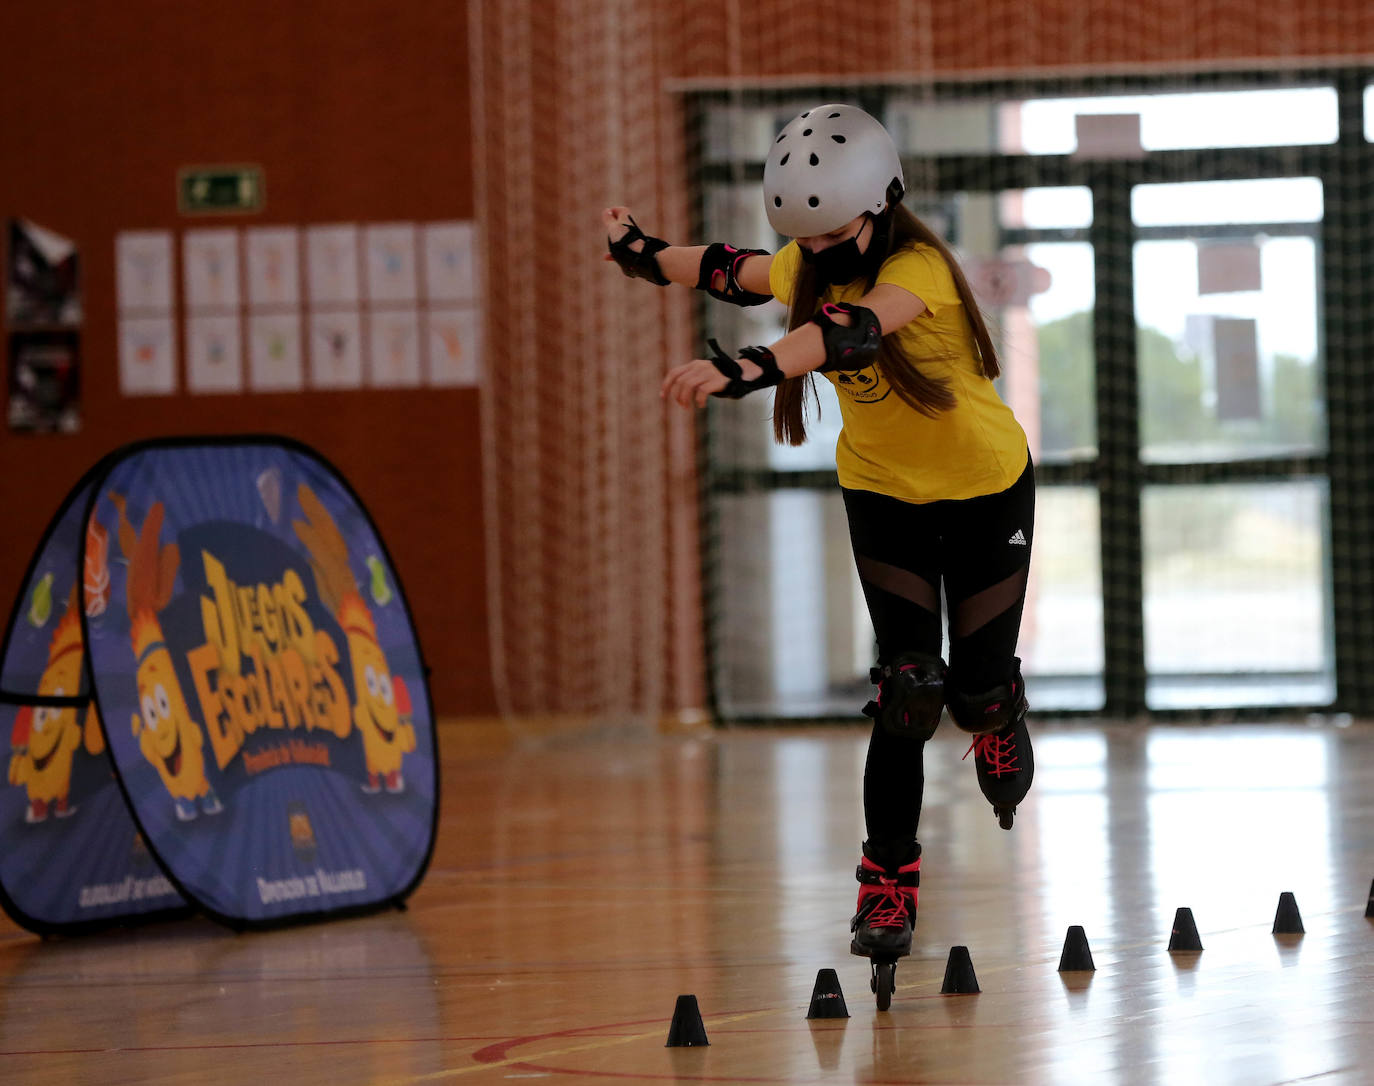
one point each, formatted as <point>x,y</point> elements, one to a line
<point>862,386</point>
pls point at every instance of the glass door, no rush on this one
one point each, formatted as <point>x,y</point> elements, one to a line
<point>1237,600</point>
<point>1179,270</point>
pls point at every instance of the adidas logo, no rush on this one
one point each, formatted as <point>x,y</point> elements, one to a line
<point>1019,538</point>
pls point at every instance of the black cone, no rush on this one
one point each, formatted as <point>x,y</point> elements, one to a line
<point>1287,919</point>
<point>687,1030</point>
<point>1077,956</point>
<point>959,975</point>
<point>827,1001</point>
<point>1184,936</point>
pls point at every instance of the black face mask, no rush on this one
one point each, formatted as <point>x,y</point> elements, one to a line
<point>840,263</point>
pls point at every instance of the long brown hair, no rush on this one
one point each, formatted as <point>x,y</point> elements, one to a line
<point>928,395</point>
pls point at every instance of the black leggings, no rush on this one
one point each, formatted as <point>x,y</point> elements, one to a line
<point>979,550</point>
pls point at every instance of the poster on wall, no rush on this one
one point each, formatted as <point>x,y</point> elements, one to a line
<point>147,356</point>
<point>273,259</point>
<point>281,308</point>
<point>45,382</point>
<point>395,353</point>
<point>336,349</point>
<point>332,264</point>
<point>210,267</point>
<point>454,347</point>
<point>143,272</point>
<point>391,263</point>
<point>214,354</point>
<point>42,276</point>
<point>274,352</point>
<point>450,264</point>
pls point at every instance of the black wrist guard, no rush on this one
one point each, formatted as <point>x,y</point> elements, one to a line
<point>738,388</point>
<point>848,348</point>
<point>642,264</point>
<point>726,259</point>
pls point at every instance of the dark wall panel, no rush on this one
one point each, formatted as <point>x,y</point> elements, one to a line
<point>357,110</point>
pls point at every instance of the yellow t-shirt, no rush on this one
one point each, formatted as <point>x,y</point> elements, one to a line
<point>974,448</point>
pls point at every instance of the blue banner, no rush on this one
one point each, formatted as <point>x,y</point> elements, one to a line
<point>70,854</point>
<point>260,682</point>
<point>228,706</point>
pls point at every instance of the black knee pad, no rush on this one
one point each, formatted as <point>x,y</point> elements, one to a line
<point>911,695</point>
<point>990,710</point>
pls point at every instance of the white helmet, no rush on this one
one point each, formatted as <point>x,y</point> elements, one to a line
<point>828,166</point>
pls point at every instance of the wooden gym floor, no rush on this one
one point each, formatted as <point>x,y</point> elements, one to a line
<point>583,879</point>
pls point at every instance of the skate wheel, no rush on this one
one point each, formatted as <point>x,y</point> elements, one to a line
<point>884,980</point>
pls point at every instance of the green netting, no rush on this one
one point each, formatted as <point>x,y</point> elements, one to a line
<point>1179,273</point>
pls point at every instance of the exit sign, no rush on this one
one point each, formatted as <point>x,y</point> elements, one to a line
<point>219,190</point>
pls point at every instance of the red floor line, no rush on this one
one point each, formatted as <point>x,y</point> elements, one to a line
<point>243,1044</point>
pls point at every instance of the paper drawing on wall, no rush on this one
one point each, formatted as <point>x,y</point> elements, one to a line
<point>214,354</point>
<point>210,260</point>
<point>395,354</point>
<point>143,272</point>
<point>336,359</point>
<point>454,346</point>
<point>450,274</point>
<point>274,352</point>
<point>147,356</point>
<point>332,264</point>
<point>391,263</point>
<point>273,258</point>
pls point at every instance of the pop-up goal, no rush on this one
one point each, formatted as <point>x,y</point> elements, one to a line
<point>215,698</point>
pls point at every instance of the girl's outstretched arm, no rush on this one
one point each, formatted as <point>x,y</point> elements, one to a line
<point>683,263</point>
<point>799,352</point>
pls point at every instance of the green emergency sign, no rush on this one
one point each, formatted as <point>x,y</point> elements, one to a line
<point>220,190</point>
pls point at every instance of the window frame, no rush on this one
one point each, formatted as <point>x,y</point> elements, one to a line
<point>1346,292</point>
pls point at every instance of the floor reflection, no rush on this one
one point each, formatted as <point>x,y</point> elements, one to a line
<point>581,883</point>
<point>1124,826</point>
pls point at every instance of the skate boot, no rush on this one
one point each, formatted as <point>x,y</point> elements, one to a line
<point>1005,764</point>
<point>996,718</point>
<point>886,912</point>
<point>887,909</point>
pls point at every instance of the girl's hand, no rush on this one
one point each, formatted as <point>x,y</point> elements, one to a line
<point>616,220</point>
<point>694,381</point>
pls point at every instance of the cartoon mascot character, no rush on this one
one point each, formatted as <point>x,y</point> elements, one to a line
<point>45,738</point>
<point>382,711</point>
<point>169,739</point>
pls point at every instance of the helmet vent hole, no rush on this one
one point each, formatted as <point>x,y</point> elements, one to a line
<point>806,114</point>
<point>833,116</point>
<point>814,201</point>
<point>837,138</point>
<point>814,160</point>
<point>783,161</point>
<point>806,132</point>
<point>782,136</point>
<point>777,201</point>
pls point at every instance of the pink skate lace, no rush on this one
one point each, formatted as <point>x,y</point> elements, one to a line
<point>998,752</point>
<point>892,911</point>
<point>896,902</point>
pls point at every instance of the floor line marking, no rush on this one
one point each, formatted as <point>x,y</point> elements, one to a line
<point>600,1042</point>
